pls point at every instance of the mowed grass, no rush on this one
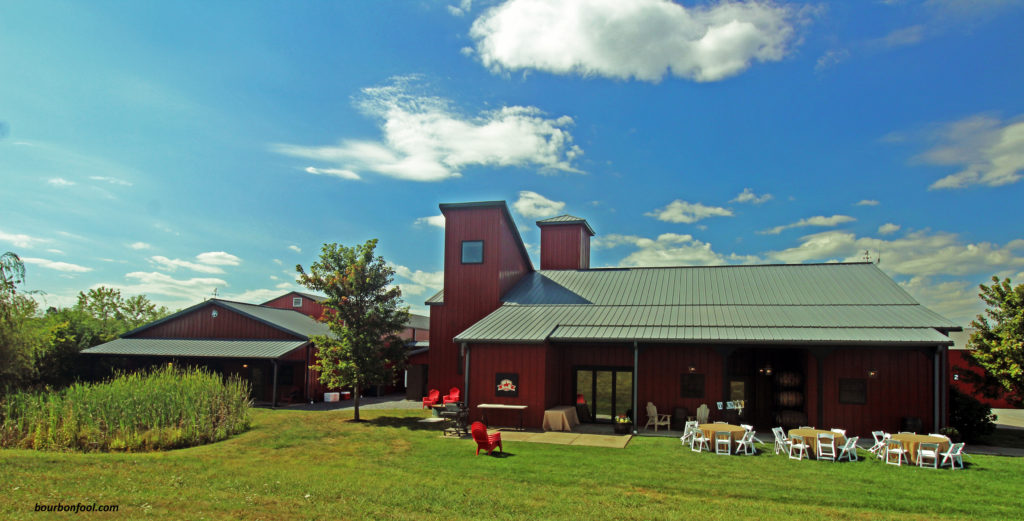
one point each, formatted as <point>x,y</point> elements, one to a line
<point>318,465</point>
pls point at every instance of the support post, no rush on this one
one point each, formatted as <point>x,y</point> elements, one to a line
<point>273,392</point>
<point>636,367</point>
<point>937,398</point>
<point>465,372</point>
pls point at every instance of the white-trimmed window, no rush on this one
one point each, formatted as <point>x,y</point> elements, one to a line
<point>296,302</point>
<point>472,252</point>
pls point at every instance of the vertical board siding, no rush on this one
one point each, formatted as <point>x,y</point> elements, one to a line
<point>564,247</point>
<point>903,388</point>
<point>309,306</point>
<point>471,291</point>
<point>529,361</point>
<point>201,324</point>
<point>659,381</point>
<point>959,365</point>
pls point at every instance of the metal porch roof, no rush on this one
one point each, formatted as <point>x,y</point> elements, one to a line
<point>196,348</point>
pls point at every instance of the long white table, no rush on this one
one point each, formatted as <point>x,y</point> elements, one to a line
<point>484,407</point>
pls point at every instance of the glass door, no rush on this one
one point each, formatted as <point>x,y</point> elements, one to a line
<point>607,391</point>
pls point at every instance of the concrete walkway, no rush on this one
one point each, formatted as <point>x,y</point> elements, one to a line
<point>1009,417</point>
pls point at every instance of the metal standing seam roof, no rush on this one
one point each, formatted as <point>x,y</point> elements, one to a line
<point>196,348</point>
<point>819,303</point>
<point>566,219</point>
<point>435,300</point>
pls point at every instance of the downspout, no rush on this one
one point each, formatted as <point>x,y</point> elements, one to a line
<point>937,397</point>
<point>636,365</point>
<point>273,393</point>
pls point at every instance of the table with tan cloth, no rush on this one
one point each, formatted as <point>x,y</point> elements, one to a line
<point>811,439</point>
<point>561,418</point>
<point>911,443</point>
<point>709,430</point>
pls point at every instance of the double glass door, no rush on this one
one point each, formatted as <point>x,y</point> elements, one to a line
<point>608,391</point>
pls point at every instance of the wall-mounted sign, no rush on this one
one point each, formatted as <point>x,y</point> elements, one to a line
<point>507,384</point>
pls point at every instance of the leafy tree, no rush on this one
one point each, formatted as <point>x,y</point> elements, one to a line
<point>363,313</point>
<point>114,314</point>
<point>997,345</point>
<point>16,310</point>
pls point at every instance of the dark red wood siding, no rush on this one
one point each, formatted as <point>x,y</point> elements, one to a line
<point>309,306</point>
<point>471,290</point>
<point>529,361</point>
<point>201,324</point>
<point>564,247</point>
<point>904,387</point>
<point>958,367</point>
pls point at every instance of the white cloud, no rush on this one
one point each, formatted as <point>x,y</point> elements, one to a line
<point>55,251</point>
<point>671,249</point>
<point>255,296</point>
<point>956,300</point>
<point>916,254</point>
<point>462,9</point>
<point>901,37</point>
<point>336,172</point>
<point>54,265</point>
<point>111,180</point>
<point>831,58</point>
<point>21,240</point>
<point>432,220</point>
<point>278,262</point>
<point>218,258</point>
<point>888,228</point>
<point>748,196</point>
<point>680,211</point>
<point>140,246</point>
<point>536,206</point>
<point>818,220</point>
<point>295,248</point>
<point>989,152</point>
<point>432,279</point>
<point>643,39</point>
<point>867,202</point>
<point>60,181</point>
<point>155,283</point>
<point>166,264</point>
<point>425,139</point>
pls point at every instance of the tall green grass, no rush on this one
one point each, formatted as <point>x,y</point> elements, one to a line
<point>163,409</point>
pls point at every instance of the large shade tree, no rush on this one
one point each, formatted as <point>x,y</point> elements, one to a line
<point>16,309</point>
<point>997,344</point>
<point>363,310</point>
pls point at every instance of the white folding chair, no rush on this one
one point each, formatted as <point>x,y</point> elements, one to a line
<point>928,451</point>
<point>746,444</point>
<point>750,428</point>
<point>781,441</point>
<point>826,447</point>
<point>878,449</point>
<point>849,449</point>
<point>702,413</point>
<point>797,443</point>
<point>688,432</point>
<point>839,431</point>
<point>723,443</point>
<point>895,447</point>
<point>807,427</point>
<point>699,441</point>
<point>953,456</point>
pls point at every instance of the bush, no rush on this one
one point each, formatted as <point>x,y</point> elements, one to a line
<point>970,417</point>
<point>162,409</point>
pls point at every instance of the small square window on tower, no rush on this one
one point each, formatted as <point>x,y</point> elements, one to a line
<point>296,302</point>
<point>472,252</point>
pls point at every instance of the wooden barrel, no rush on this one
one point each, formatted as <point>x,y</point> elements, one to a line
<point>791,398</point>
<point>789,379</point>
<point>790,419</point>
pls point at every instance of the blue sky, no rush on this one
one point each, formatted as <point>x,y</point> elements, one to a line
<point>173,148</point>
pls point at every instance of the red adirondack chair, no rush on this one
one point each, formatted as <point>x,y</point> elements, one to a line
<point>483,440</point>
<point>431,398</point>
<point>452,396</point>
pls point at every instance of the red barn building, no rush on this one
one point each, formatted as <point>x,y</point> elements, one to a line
<point>269,345</point>
<point>832,345</point>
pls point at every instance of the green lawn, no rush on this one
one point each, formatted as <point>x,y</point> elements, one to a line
<point>316,465</point>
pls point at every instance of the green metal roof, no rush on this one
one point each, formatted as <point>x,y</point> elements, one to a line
<point>418,321</point>
<point>821,303</point>
<point>566,219</point>
<point>196,348</point>
<point>286,320</point>
<point>437,299</point>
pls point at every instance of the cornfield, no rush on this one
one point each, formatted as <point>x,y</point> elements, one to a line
<point>163,409</point>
